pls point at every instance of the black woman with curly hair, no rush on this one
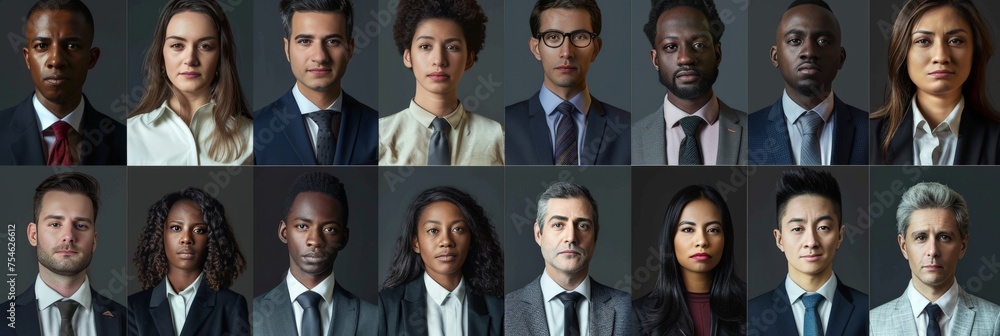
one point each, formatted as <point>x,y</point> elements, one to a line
<point>446,276</point>
<point>186,261</point>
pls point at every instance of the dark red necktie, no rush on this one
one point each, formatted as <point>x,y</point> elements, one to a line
<point>60,155</point>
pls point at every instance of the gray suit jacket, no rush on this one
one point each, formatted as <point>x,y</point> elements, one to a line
<point>273,315</point>
<point>610,311</point>
<point>649,145</point>
<point>973,317</point>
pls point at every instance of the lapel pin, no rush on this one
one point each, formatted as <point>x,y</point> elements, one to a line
<point>730,130</point>
<point>108,313</point>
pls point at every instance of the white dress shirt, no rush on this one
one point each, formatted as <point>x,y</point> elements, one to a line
<point>306,107</point>
<point>161,138</point>
<point>180,303</point>
<point>825,111</point>
<point>554,310</point>
<point>446,311</point>
<point>947,302</point>
<point>324,289</point>
<point>937,146</point>
<point>581,102</point>
<point>46,119</point>
<point>708,133</point>
<point>828,290</point>
<point>48,314</point>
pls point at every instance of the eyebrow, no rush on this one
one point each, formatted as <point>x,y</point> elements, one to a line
<point>311,36</point>
<point>198,40</point>
<point>309,220</point>
<point>803,32</point>
<point>566,219</point>
<point>75,219</point>
<point>950,32</point>
<point>448,40</point>
<point>434,222</point>
<point>820,219</point>
<point>706,224</point>
<point>701,35</point>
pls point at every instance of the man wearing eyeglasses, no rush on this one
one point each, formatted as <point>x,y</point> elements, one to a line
<point>562,124</point>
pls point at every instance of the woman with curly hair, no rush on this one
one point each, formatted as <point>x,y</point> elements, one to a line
<point>186,261</point>
<point>446,276</point>
<point>697,292</point>
<point>439,40</point>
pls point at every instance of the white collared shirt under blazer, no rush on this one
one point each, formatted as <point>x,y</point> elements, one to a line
<point>161,138</point>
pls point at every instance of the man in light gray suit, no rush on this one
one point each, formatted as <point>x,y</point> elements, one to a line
<point>564,300</point>
<point>933,225</point>
<point>693,126</point>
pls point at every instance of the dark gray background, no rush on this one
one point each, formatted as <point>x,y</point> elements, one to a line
<point>232,186</point>
<point>355,266</point>
<point>396,83</point>
<point>107,268</point>
<point>882,15</point>
<point>272,75</point>
<point>398,186</point>
<point>105,82</point>
<point>652,190</point>
<point>731,85</point>
<point>851,84</point>
<point>768,266</point>
<point>606,78</point>
<point>142,16</point>
<point>977,272</point>
<point>609,186</point>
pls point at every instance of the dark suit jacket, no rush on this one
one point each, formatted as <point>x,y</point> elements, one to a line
<point>403,311</point>
<point>280,136</point>
<point>273,315</point>
<point>109,316</point>
<point>644,305</point>
<point>212,313</point>
<point>610,311</point>
<point>103,138</point>
<point>770,145</point>
<point>978,140</point>
<point>649,143</point>
<point>608,138</point>
<point>848,316</point>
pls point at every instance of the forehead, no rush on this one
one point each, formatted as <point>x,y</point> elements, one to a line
<point>566,207</point>
<point>312,201</point>
<point>60,200</point>
<point>190,23</point>
<point>319,21</point>
<point>809,18</point>
<point>682,19</point>
<point>943,17</point>
<point>42,21</point>
<point>565,19</point>
<point>809,204</point>
<point>440,28</point>
<point>938,219</point>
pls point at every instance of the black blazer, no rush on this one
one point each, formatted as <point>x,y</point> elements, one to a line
<point>109,316</point>
<point>103,141</point>
<point>212,313</point>
<point>608,138</point>
<point>403,311</point>
<point>848,316</point>
<point>978,140</point>
<point>770,144</point>
<point>274,315</point>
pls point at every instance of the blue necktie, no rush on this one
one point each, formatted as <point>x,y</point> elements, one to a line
<point>810,125</point>
<point>566,136</point>
<point>813,324</point>
<point>933,311</point>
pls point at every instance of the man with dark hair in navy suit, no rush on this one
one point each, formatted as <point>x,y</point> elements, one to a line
<point>316,122</point>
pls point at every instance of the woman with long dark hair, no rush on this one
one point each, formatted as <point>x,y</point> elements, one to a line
<point>697,291</point>
<point>447,257</point>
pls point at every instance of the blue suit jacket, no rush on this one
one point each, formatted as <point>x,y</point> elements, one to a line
<point>280,136</point>
<point>771,313</point>
<point>103,141</point>
<point>608,138</point>
<point>770,145</point>
<point>212,313</point>
<point>978,140</point>
<point>109,316</point>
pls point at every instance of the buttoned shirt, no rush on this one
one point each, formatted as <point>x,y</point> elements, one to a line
<point>555,310</point>
<point>474,140</point>
<point>324,289</point>
<point>795,293</point>
<point>446,310</point>
<point>49,316</point>
<point>181,302</point>
<point>825,111</point>
<point>306,107</point>
<point>947,302</point>
<point>937,146</point>
<point>708,133</point>
<point>161,138</point>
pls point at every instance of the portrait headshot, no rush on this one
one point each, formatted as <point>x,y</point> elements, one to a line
<point>315,122</point>
<point>692,125</point>
<point>193,110</point>
<point>814,120</point>
<point>67,280</point>
<point>818,222</point>
<point>438,43</point>
<point>316,273</point>
<point>937,220</point>
<point>45,117</point>
<point>558,121</point>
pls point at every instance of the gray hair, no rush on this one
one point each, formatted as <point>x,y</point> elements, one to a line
<point>932,195</point>
<point>565,190</point>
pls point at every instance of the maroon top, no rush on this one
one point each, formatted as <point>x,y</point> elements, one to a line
<point>701,312</point>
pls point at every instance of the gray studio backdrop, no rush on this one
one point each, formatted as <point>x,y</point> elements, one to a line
<point>731,85</point>
<point>482,88</point>
<point>355,267</point>
<point>105,84</point>
<point>977,271</point>
<point>107,268</point>
<point>652,190</point>
<point>398,186</point>
<point>883,15</point>
<point>768,266</point>
<point>851,84</point>
<point>606,79</point>
<point>232,186</point>
<point>272,75</point>
<point>609,186</point>
<point>142,16</point>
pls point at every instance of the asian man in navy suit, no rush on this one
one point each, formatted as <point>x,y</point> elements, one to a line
<point>316,122</point>
<point>57,125</point>
<point>809,125</point>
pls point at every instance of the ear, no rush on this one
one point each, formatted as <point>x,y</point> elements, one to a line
<point>350,49</point>
<point>774,56</point>
<point>840,235</point>
<point>777,240</point>
<point>902,246</point>
<point>718,54</point>
<point>283,232</point>
<point>95,53</point>
<point>597,48</point>
<point>843,57</point>
<point>470,61</point>
<point>26,62</point>
<point>94,248</point>
<point>652,58</point>
<point>538,233</point>
<point>532,44</point>
<point>33,234</point>
<point>406,59</point>
<point>347,237</point>
<point>965,244</point>
<point>416,245</point>
<point>286,50</point>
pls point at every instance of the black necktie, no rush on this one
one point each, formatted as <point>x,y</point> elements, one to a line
<point>326,138</point>
<point>571,324</point>
<point>66,310</point>
<point>566,136</point>
<point>438,151</point>
<point>690,153</point>
<point>311,325</point>
<point>933,311</point>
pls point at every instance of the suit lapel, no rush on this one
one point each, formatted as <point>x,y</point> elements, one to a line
<point>602,321</point>
<point>350,125</point>
<point>283,322</point>
<point>843,133</point>
<point>28,323</point>
<point>159,309</point>
<point>295,129</point>
<point>902,315</point>
<point>414,304</point>
<point>777,130</point>
<point>840,313</point>
<point>901,146</point>
<point>965,313</point>
<point>345,313</point>
<point>201,308</point>
<point>531,309</point>
<point>971,135</point>
<point>593,138</point>
<point>479,318</point>
<point>539,132</point>
<point>107,320</point>
<point>25,140</point>
<point>779,298</point>
<point>730,136</point>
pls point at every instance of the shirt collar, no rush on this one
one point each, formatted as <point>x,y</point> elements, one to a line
<point>47,296</point>
<point>439,294</point>
<point>189,291</point>
<point>46,118</point>
<point>550,288</point>
<point>827,290</point>
<point>550,101</point>
<point>948,302</point>
<point>306,106</point>
<point>673,115</point>
<point>951,122</point>
<point>793,110</point>
<point>204,111</point>
<point>324,288</point>
<point>425,118</point>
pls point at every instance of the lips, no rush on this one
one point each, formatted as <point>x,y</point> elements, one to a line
<point>319,71</point>
<point>55,79</point>
<point>314,257</point>
<point>446,257</point>
<point>809,68</point>
<point>569,252</point>
<point>185,254</point>
<point>701,256</point>
<point>933,267</point>
<point>438,76</point>
<point>687,76</point>
<point>811,257</point>
<point>565,68</point>
<point>190,74</point>
<point>939,74</point>
<point>66,252</point>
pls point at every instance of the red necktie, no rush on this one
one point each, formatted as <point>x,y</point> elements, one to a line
<point>60,156</point>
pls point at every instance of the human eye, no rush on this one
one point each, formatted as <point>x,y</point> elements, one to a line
<point>424,47</point>
<point>175,228</point>
<point>334,42</point>
<point>557,225</point>
<point>583,226</point>
<point>944,238</point>
<point>956,41</point>
<point>303,41</point>
<point>432,231</point>
<point>794,41</point>
<point>40,46</point>
<point>176,46</point>
<point>553,36</point>
<point>206,46</point>
<point>201,230</point>
<point>330,229</point>
<point>687,229</point>
<point>922,41</point>
<point>82,226</point>
<point>920,238</point>
<point>714,230</point>
<point>797,229</point>
<point>670,47</point>
<point>699,45</point>
<point>301,226</point>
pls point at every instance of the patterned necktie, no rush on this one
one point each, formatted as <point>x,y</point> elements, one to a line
<point>309,301</point>
<point>933,311</point>
<point>813,324</point>
<point>809,124</point>
<point>66,310</point>
<point>326,138</point>
<point>60,154</point>
<point>571,324</point>
<point>566,136</point>
<point>690,150</point>
<point>438,152</point>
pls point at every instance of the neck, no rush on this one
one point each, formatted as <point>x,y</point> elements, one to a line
<point>181,279</point>
<point>565,93</point>
<point>60,110</point>
<point>690,106</point>
<point>66,286</point>
<point>697,282</point>
<point>438,105</point>
<point>310,280</point>
<point>565,280</point>
<point>935,108</point>
<point>322,99</point>
<point>449,282</point>
<point>807,102</point>
<point>810,282</point>
<point>932,293</point>
<point>186,104</point>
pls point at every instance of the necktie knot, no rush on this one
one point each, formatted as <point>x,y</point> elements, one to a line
<point>566,109</point>
<point>61,129</point>
<point>690,125</point>
<point>809,122</point>
<point>438,149</point>
<point>569,298</point>
<point>811,301</point>
<point>933,311</point>
<point>571,324</point>
<point>67,308</point>
<point>309,299</point>
<point>323,118</point>
<point>440,124</point>
<point>566,146</point>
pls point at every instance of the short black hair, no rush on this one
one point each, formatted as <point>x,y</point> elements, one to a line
<point>590,6</point>
<point>289,7</point>
<point>317,182</point>
<point>75,6</point>
<point>466,13</point>
<point>820,3</point>
<point>73,183</point>
<point>706,7</point>
<point>805,181</point>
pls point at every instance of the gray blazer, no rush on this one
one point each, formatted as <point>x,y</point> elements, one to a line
<point>973,317</point>
<point>273,315</point>
<point>610,311</point>
<point>649,145</point>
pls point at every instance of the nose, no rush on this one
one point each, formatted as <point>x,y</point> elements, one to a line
<point>570,234</point>
<point>447,240</point>
<point>321,54</point>
<point>810,239</point>
<point>56,57</point>
<point>314,238</point>
<point>192,57</point>
<point>566,49</point>
<point>941,53</point>
<point>699,239</point>
<point>933,250</point>
<point>186,238</point>
<point>684,56</point>
<point>67,234</point>
<point>440,57</point>
<point>808,50</point>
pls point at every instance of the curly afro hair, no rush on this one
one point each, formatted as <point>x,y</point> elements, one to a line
<point>466,13</point>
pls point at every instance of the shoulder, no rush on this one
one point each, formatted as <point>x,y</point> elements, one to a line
<point>392,296</point>
<point>517,108</point>
<point>357,106</point>
<point>618,297</point>
<point>483,123</point>
<point>140,300</point>
<point>613,111</point>
<point>761,301</point>
<point>982,305</point>
<point>760,116</point>
<point>884,310</point>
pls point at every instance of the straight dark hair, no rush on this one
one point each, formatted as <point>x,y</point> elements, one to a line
<point>73,183</point>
